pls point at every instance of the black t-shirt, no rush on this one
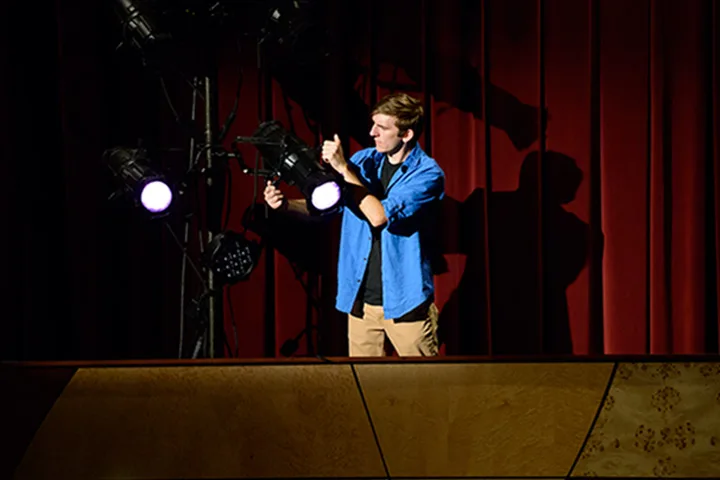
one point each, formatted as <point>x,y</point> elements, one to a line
<point>373,275</point>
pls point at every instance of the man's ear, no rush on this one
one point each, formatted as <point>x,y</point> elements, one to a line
<point>408,135</point>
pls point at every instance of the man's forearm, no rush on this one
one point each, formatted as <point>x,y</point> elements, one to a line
<point>368,203</point>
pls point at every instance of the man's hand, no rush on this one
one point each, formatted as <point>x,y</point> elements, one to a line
<point>369,205</point>
<point>332,153</point>
<point>273,196</point>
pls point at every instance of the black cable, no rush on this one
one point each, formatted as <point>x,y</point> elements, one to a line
<point>233,112</point>
<point>369,417</point>
<point>188,128</point>
<point>187,256</point>
<point>236,354</point>
<point>167,97</point>
<point>260,96</point>
<point>314,128</point>
<point>196,195</point>
<point>255,186</point>
<point>228,199</point>
<point>226,341</point>
<point>298,276</point>
<point>201,331</point>
<point>201,150</point>
<point>288,112</point>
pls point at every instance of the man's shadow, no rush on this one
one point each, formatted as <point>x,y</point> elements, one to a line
<point>534,255</point>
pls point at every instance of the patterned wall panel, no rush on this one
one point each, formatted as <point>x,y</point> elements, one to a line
<point>659,420</point>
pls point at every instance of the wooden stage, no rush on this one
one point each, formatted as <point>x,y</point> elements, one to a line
<point>339,418</point>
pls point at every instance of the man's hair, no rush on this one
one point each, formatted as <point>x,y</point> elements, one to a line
<point>407,110</point>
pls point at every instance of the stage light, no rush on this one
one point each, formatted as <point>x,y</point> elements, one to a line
<point>156,196</point>
<point>146,187</point>
<point>326,195</point>
<point>137,25</point>
<point>231,257</point>
<point>298,164</point>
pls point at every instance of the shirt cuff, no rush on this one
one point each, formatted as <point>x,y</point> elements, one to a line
<point>392,208</point>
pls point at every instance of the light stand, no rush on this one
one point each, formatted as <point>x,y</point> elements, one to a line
<point>166,51</point>
<point>209,193</point>
<point>205,174</point>
<point>209,299</point>
<point>140,33</point>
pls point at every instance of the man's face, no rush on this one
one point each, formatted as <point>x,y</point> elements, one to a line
<point>385,132</point>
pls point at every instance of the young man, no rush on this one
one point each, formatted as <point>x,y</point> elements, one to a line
<point>385,277</point>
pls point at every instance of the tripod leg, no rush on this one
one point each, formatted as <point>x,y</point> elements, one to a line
<point>198,344</point>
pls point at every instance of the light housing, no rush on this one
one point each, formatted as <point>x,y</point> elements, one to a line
<point>231,257</point>
<point>138,28</point>
<point>137,179</point>
<point>297,164</point>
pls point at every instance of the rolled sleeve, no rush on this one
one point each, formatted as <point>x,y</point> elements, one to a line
<point>406,199</point>
<point>393,208</point>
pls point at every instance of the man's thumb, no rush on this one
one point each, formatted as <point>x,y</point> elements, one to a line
<point>337,139</point>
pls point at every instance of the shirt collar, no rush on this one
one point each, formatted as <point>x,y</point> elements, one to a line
<point>411,160</point>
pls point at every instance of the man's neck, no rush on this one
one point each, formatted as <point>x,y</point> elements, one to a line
<point>399,156</point>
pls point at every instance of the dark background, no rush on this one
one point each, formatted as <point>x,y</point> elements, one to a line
<point>605,243</point>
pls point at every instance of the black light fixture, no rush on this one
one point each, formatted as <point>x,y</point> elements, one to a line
<point>137,26</point>
<point>294,29</point>
<point>297,164</point>
<point>143,184</point>
<point>231,257</point>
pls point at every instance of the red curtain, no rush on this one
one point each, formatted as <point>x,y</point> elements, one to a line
<point>598,236</point>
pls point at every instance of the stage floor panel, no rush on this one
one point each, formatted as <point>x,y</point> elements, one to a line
<point>348,419</point>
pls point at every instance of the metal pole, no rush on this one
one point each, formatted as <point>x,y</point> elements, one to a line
<point>209,186</point>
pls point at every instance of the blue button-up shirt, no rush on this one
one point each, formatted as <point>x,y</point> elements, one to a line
<point>407,276</point>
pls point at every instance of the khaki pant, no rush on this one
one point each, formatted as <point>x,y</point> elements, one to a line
<point>411,339</point>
